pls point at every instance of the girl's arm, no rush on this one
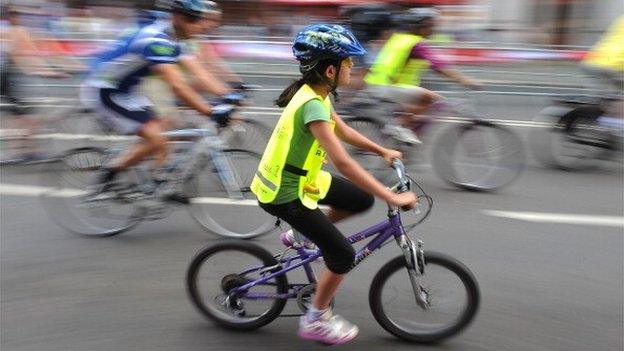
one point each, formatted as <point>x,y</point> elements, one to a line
<point>355,138</point>
<point>352,170</point>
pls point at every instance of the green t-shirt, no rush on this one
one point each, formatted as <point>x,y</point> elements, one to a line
<point>300,145</point>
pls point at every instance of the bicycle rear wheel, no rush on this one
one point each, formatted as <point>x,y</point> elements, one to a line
<point>373,163</point>
<point>452,294</point>
<point>77,126</point>
<point>214,209</point>
<point>218,269</point>
<point>70,201</point>
<point>558,145</point>
<point>479,156</point>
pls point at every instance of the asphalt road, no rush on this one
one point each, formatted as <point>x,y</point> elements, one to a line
<point>547,282</point>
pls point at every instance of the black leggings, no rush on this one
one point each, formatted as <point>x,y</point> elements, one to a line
<point>337,251</point>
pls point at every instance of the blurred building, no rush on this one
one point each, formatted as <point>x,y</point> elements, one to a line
<point>544,22</point>
<point>552,22</point>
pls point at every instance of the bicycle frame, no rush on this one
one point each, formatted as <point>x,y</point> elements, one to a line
<point>391,227</point>
<point>205,142</point>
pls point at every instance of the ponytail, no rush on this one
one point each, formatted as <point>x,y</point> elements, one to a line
<point>289,92</point>
<point>314,76</point>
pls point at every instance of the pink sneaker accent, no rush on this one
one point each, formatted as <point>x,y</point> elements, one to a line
<point>328,329</point>
<point>288,239</point>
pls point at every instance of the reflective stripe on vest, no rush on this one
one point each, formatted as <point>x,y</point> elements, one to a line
<point>267,181</point>
<point>393,65</point>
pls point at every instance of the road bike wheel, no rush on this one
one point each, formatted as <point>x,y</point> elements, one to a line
<point>554,144</point>
<point>70,203</point>
<point>453,296</point>
<point>217,269</point>
<point>373,163</point>
<point>75,126</point>
<point>212,207</point>
<point>479,156</point>
<point>246,134</point>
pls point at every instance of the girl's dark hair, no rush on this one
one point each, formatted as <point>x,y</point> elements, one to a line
<point>314,76</point>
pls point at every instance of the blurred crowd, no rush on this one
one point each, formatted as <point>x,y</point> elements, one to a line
<point>547,22</point>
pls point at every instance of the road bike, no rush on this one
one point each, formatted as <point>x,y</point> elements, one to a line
<point>472,153</point>
<point>215,175</point>
<point>420,296</point>
<point>570,136</point>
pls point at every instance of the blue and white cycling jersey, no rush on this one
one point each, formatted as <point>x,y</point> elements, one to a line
<point>125,63</point>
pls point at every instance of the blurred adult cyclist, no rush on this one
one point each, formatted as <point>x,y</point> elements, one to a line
<point>290,182</point>
<point>21,56</point>
<point>202,67</point>
<point>396,73</point>
<point>605,63</point>
<point>110,86</point>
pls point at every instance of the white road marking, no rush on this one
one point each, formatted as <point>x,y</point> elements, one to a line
<point>562,218</point>
<point>34,190</point>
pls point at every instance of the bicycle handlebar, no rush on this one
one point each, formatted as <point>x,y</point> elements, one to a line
<point>404,182</point>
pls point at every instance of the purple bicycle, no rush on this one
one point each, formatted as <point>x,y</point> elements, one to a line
<point>419,296</point>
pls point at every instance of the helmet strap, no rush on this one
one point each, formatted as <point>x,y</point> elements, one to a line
<point>334,84</point>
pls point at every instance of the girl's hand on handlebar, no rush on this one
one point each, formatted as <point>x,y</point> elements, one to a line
<point>389,155</point>
<point>406,201</point>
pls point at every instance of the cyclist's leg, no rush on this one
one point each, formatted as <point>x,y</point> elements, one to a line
<point>337,251</point>
<point>153,143</point>
<point>23,119</point>
<point>130,114</point>
<point>345,199</point>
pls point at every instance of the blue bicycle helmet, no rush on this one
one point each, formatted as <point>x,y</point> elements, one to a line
<point>324,41</point>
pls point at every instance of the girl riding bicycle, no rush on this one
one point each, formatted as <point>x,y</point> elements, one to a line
<point>290,183</point>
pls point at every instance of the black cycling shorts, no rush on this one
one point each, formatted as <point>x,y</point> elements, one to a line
<point>337,251</point>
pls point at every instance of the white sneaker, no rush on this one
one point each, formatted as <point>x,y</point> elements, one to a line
<point>329,329</point>
<point>401,134</point>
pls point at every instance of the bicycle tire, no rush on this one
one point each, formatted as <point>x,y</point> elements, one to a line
<point>509,164</point>
<point>236,246</point>
<point>546,143</point>
<point>456,267</point>
<point>77,126</point>
<point>372,162</point>
<point>247,134</point>
<point>206,189</point>
<point>66,186</point>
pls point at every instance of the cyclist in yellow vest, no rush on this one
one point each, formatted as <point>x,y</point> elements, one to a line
<point>605,64</point>
<point>396,72</point>
<point>290,183</point>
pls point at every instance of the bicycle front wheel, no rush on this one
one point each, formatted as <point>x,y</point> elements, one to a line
<point>213,205</point>
<point>246,134</point>
<point>479,156</point>
<point>452,295</point>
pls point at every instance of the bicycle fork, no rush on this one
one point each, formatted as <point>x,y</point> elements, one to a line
<point>415,263</point>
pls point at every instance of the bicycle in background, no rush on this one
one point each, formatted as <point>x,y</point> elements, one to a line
<point>472,153</point>
<point>205,164</point>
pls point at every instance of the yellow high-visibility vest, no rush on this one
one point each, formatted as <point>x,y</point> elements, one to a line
<point>393,65</point>
<point>609,51</point>
<point>268,178</point>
